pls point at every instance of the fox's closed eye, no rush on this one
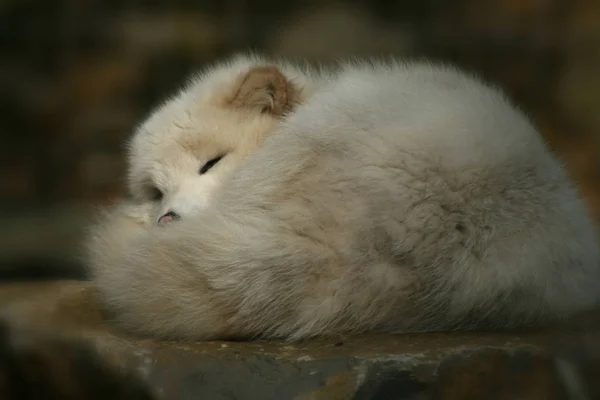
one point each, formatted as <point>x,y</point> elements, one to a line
<point>155,193</point>
<point>206,167</point>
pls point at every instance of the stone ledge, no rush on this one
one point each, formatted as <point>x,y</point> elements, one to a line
<point>55,341</point>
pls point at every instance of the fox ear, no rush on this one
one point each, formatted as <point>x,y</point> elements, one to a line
<point>265,89</point>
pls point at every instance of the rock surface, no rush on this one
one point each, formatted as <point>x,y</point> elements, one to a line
<point>55,344</point>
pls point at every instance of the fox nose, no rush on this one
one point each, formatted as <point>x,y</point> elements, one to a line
<point>168,217</point>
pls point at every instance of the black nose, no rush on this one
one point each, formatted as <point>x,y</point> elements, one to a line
<point>168,217</point>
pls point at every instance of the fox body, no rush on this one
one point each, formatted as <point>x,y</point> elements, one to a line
<point>275,201</point>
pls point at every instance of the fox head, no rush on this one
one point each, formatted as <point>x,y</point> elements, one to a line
<point>186,149</point>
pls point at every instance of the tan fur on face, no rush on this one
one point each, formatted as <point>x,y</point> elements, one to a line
<point>227,111</point>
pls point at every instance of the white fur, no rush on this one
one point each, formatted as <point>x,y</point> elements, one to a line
<point>397,197</point>
<point>155,150</point>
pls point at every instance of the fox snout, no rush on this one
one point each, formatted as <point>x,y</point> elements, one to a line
<point>169,216</point>
<point>186,198</point>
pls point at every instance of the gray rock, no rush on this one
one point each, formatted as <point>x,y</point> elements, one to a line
<point>56,344</point>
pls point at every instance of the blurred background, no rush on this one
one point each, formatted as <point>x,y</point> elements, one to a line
<point>76,76</point>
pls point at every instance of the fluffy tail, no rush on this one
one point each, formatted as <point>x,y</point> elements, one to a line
<point>227,276</point>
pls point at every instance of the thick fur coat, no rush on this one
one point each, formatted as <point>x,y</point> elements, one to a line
<point>377,197</point>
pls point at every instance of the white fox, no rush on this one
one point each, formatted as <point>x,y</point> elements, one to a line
<point>378,197</point>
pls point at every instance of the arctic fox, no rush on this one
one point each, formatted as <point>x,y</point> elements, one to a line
<point>270,201</point>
